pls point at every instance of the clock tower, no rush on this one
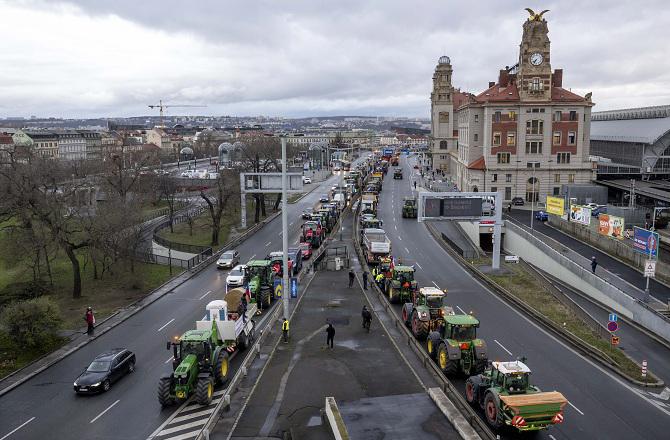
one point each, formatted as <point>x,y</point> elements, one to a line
<point>442,114</point>
<point>534,74</point>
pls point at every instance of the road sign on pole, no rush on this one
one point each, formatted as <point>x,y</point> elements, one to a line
<point>613,317</point>
<point>612,326</point>
<point>294,287</point>
<point>650,268</point>
<point>615,340</point>
<point>277,288</point>
<point>644,368</point>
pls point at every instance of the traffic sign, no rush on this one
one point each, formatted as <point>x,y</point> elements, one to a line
<point>650,268</point>
<point>644,368</point>
<point>615,340</point>
<point>613,317</point>
<point>278,288</point>
<point>612,326</point>
<point>294,287</point>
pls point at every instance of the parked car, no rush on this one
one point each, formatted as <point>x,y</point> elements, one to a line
<point>324,198</point>
<point>306,179</point>
<point>105,369</point>
<point>365,217</point>
<point>307,213</point>
<point>188,174</point>
<point>592,205</point>
<point>306,250</point>
<point>518,201</point>
<point>600,209</point>
<point>228,259</point>
<point>541,216</point>
<point>237,276</point>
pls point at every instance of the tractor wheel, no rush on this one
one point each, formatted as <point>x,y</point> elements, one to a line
<point>164,388</point>
<point>222,367</point>
<point>266,298</point>
<point>471,385</point>
<point>492,411</point>
<point>405,315</point>
<point>394,297</point>
<point>448,366</point>
<point>204,391</point>
<point>419,328</point>
<point>432,344</point>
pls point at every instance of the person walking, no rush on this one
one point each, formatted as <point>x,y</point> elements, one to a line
<point>509,208</point>
<point>90,320</point>
<point>284,330</point>
<point>380,280</point>
<point>243,303</point>
<point>365,280</point>
<point>415,184</point>
<point>330,335</point>
<point>352,275</point>
<point>594,264</point>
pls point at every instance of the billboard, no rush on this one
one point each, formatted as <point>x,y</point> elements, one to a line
<point>453,207</point>
<point>611,226</point>
<point>555,205</point>
<point>580,214</point>
<point>645,242</point>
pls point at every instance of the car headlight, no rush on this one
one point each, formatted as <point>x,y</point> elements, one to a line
<point>423,314</point>
<point>97,384</point>
<point>75,384</point>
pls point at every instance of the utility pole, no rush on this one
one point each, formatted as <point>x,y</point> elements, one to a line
<point>284,226</point>
<point>533,195</point>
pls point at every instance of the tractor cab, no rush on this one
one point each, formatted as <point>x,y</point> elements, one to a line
<point>277,262</point>
<point>433,298</point>
<point>260,278</point>
<point>385,267</point>
<point>512,377</point>
<point>460,328</point>
<point>409,208</point>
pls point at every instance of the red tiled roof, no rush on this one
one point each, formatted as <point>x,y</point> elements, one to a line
<point>499,94</point>
<point>460,98</point>
<point>477,164</point>
<point>6,139</point>
<point>560,94</point>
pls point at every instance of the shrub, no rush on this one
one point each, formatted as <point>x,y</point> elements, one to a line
<point>33,323</point>
<point>23,290</point>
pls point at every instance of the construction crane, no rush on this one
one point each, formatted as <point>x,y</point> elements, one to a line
<point>160,106</point>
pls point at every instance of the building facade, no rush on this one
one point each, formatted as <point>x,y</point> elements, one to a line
<point>525,135</point>
<point>71,145</point>
<point>45,144</point>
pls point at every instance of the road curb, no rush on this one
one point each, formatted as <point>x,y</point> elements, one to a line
<point>583,347</point>
<point>133,309</point>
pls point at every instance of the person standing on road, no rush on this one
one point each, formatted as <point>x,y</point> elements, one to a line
<point>330,335</point>
<point>365,280</point>
<point>509,208</point>
<point>284,330</point>
<point>90,320</point>
<point>352,275</point>
<point>243,305</point>
<point>594,264</point>
<point>415,184</point>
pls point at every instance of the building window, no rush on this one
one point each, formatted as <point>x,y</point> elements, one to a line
<point>535,85</point>
<point>557,178</point>
<point>476,118</point>
<point>557,138</point>
<point>511,139</point>
<point>508,178</point>
<point>512,115</point>
<point>476,137</point>
<point>571,178</point>
<point>534,147</point>
<point>558,115</point>
<point>535,126</point>
<point>443,145</point>
<point>563,158</point>
<point>503,157</point>
<point>494,189</point>
<point>573,115</point>
<point>497,116</point>
<point>508,193</point>
<point>532,164</point>
<point>557,190</point>
<point>572,138</point>
<point>496,138</point>
<point>494,177</point>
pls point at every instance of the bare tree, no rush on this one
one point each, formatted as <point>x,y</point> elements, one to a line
<point>261,154</point>
<point>219,199</point>
<point>168,189</point>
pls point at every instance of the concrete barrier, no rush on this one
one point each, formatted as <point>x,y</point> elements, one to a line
<point>335,420</point>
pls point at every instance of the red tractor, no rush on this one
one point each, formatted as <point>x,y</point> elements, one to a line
<point>313,233</point>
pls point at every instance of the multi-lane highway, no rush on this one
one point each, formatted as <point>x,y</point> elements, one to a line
<point>45,407</point>
<point>602,406</point>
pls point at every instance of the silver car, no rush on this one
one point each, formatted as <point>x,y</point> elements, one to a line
<point>237,277</point>
<point>228,259</point>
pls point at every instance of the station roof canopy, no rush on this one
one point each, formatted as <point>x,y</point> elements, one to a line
<point>647,131</point>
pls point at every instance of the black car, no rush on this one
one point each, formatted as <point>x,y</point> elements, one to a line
<point>105,369</point>
<point>324,198</point>
<point>517,201</point>
<point>307,213</point>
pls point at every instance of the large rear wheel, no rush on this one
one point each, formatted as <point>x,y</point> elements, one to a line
<point>164,388</point>
<point>222,367</point>
<point>204,391</point>
<point>449,367</point>
<point>492,411</point>
<point>471,389</point>
<point>419,327</point>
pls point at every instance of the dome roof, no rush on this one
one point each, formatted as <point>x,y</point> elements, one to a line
<point>186,150</point>
<point>444,60</point>
<point>238,145</point>
<point>226,146</point>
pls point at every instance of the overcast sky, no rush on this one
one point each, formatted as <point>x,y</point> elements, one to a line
<point>310,57</point>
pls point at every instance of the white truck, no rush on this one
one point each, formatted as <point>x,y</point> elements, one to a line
<point>238,331</point>
<point>376,245</point>
<point>369,204</point>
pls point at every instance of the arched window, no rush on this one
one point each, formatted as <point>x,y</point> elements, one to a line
<point>532,189</point>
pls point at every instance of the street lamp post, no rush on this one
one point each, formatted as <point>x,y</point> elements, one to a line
<point>533,194</point>
<point>284,222</point>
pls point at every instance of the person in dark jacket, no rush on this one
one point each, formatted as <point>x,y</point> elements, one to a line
<point>352,275</point>
<point>594,264</point>
<point>330,335</point>
<point>90,320</point>
<point>365,279</point>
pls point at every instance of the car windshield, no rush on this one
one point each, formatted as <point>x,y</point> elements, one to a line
<point>304,247</point>
<point>235,273</point>
<point>227,255</point>
<point>434,301</point>
<point>98,367</point>
<point>517,382</point>
<point>463,333</point>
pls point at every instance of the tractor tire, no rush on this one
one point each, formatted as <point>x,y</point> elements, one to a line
<point>394,296</point>
<point>406,316</point>
<point>419,328</point>
<point>222,367</point>
<point>449,367</point>
<point>204,391</point>
<point>164,388</point>
<point>266,298</point>
<point>471,385</point>
<point>492,411</point>
<point>433,341</point>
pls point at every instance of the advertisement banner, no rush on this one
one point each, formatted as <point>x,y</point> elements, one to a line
<point>645,242</point>
<point>555,205</point>
<point>611,226</point>
<point>580,214</point>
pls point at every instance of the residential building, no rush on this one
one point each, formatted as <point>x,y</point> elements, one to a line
<point>45,143</point>
<point>71,145</point>
<point>93,144</point>
<point>159,137</point>
<point>6,146</point>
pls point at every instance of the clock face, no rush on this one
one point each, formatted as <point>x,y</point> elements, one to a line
<point>536,59</point>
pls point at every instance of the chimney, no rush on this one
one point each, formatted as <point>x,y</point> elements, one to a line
<point>503,78</point>
<point>557,78</point>
<point>491,84</point>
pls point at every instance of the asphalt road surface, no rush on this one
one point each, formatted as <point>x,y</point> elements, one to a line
<point>46,407</point>
<point>602,406</point>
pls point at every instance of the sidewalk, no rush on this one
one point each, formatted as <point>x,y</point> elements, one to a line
<point>377,394</point>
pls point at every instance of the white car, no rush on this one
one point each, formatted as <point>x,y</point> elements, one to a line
<point>237,277</point>
<point>306,179</point>
<point>187,174</point>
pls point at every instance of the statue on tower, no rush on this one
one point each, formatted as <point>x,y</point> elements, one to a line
<point>534,16</point>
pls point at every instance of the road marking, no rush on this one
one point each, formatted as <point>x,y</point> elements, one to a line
<point>664,395</point>
<point>102,413</point>
<point>399,238</point>
<point>435,284</point>
<point>182,427</point>
<point>166,324</point>
<point>208,292</point>
<point>291,224</point>
<point>462,311</point>
<point>419,266</point>
<point>19,427</point>
<point>552,437</point>
<point>281,233</point>
<point>268,243</point>
<point>169,359</point>
<point>503,347</point>
<point>576,409</point>
<point>396,227</point>
<point>193,415</point>
<point>252,257</point>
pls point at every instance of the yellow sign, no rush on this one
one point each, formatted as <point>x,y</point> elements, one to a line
<point>555,205</point>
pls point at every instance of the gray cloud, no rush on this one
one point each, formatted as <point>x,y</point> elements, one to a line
<point>303,57</point>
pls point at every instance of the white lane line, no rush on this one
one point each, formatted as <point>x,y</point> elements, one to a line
<point>552,437</point>
<point>102,413</point>
<point>166,324</point>
<point>291,224</point>
<point>462,311</point>
<point>181,427</point>
<point>396,227</point>
<point>17,428</point>
<point>419,266</point>
<point>407,250</point>
<point>208,292</point>
<point>435,284</point>
<point>503,347</point>
<point>169,360</point>
<point>252,257</point>
<point>281,233</point>
<point>268,243</point>
<point>399,238</point>
<point>193,415</point>
<point>576,409</point>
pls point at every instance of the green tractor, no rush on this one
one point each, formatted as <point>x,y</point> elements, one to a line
<point>261,280</point>
<point>401,286</point>
<point>505,394</point>
<point>456,348</point>
<point>426,312</point>
<point>201,357</point>
<point>409,208</point>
